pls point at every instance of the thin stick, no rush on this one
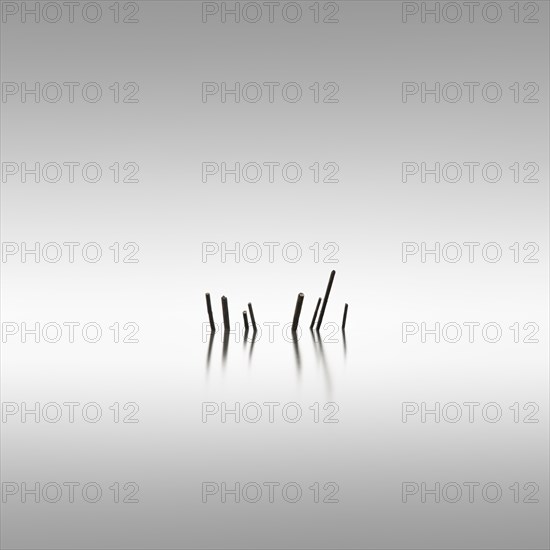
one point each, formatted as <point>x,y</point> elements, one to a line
<point>210,314</point>
<point>297,312</point>
<point>325,300</point>
<point>315,314</point>
<point>245,319</point>
<point>345,317</point>
<point>225,309</point>
<point>252,319</point>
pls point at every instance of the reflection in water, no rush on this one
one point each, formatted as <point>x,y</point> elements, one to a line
<point>297,352</point>
<point>344,342</point>
<point>225,346</point>
<point>315,337</point>
<point>318,343</point>
<point>209,352</point>
<point>252,342</point>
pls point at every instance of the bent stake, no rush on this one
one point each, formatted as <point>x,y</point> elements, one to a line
<point>325,300</point>
<point>297,312</point>
<point>315,314</point>
<point>210,314</point>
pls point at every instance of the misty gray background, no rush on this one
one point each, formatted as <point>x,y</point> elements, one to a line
<point>369,213</point>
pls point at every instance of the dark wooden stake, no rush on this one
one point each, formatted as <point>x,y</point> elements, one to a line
<point>315,314</point>
<point>297,312</point>
<point>325,300</point>
<point>345,317</point>
<point>252,318</point>
<point>225,310</point>
<point>210,314</point>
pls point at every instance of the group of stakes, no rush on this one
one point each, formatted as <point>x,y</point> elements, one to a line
<point>297,311</point>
